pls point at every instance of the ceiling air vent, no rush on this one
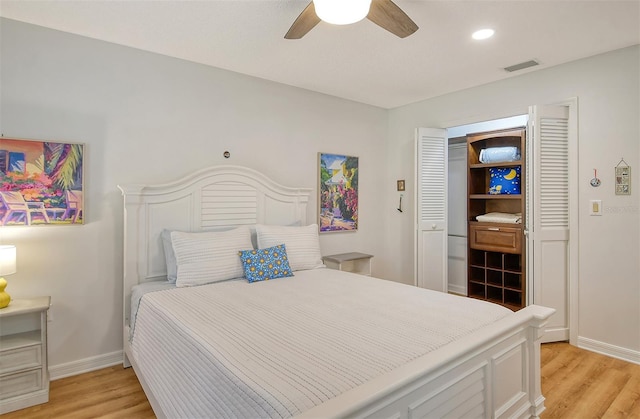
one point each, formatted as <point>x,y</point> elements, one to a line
<point>521,66</point>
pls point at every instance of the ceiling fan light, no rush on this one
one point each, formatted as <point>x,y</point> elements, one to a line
<point>342,12</point>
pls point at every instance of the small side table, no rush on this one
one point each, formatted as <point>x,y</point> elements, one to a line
<point>24,375</point>
<point>359,263</point>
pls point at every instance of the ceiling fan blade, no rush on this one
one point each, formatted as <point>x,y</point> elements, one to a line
<point>304,23</point>
<point>389,16</point>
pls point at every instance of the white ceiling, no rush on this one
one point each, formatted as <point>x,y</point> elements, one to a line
<point>361,62</point>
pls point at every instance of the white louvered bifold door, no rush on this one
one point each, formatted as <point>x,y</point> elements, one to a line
<point>431,199</point>
<point>548,215</point>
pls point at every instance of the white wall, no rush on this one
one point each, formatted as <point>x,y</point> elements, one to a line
<point>150,118</point>
<point>608,91</point>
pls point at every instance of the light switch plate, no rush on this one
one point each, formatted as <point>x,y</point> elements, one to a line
<point>595,207</point>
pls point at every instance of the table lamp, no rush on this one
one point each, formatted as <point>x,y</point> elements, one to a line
<point>7,267</point>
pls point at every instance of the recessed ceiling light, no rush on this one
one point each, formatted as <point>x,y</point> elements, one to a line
<point>483,34</point>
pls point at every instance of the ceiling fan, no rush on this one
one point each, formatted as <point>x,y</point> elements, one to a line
<point>383,13</point>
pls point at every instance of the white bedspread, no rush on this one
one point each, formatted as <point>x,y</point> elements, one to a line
<point>277,348</point>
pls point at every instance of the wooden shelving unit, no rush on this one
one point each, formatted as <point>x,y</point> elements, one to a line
<point>496,263</point>
<point>496,277</point>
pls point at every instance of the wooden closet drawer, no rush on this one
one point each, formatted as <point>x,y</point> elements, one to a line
<point>495,238</point>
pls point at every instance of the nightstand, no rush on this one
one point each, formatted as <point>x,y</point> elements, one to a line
<point>24,375</point>
<point>358,263</point>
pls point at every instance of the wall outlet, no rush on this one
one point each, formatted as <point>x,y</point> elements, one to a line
<point>595,207</point>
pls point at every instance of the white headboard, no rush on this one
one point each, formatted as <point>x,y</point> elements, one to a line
<point>210,198</point>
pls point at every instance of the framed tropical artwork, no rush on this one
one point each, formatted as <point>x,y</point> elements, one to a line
<point>338,191</point>
<point>41,183</point>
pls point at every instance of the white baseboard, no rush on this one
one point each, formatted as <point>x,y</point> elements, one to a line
<point>85,365</point>
<point>609,350</point>
<point>457,289</point>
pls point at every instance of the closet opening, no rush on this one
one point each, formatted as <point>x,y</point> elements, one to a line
<point>457,238</point>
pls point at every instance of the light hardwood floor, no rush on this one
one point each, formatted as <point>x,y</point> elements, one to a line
<point>576,383</point>
<point>582,384</point>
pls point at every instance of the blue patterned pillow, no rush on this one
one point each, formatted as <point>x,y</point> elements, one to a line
<point>504,180</point>
<point>265,264</point>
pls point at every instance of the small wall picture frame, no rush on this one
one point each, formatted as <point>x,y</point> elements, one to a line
<point>400,185</point>
<point>623,178</point>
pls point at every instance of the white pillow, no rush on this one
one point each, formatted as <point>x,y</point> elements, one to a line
<point>303,246</point>
<point>254,235</point>
<point>170,256</point>
<point>207,257</point>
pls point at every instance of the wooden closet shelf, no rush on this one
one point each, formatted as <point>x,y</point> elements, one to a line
<point>488,196</point>
<point>501,164</point>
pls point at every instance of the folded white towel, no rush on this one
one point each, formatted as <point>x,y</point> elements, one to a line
<point>500,217</point>
<point>499,154</point>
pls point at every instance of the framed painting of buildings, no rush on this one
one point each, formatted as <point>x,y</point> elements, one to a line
<point>338,190</point>
<point>41,183</point>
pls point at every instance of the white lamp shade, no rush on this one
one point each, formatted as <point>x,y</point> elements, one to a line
<point>7,259</point>
<point>342,12</point>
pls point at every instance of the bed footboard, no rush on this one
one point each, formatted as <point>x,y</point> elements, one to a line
<point>492,374</point>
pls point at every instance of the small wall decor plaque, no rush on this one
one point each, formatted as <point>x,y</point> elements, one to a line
<point>623,178</point>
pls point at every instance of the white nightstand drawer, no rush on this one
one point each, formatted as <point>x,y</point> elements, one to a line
<point>20,359</point>
<point>12,385</point>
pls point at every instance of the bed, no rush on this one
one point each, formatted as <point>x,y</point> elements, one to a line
<point>320,343</point>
